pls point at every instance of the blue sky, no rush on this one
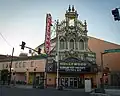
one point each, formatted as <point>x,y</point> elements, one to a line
<point>24,20</point>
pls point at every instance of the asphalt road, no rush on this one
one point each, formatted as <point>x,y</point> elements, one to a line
<point>38,92</point>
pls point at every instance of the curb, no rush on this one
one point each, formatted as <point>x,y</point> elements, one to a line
<point>98,94</point>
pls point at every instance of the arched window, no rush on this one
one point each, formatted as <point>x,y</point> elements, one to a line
<point>71,44</point>
<point>81,44</point>
<point>62,44</point>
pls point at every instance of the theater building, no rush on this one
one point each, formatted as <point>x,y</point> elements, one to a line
<point>76,61</point>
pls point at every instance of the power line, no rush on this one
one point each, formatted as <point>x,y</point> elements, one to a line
<point>5,40</point>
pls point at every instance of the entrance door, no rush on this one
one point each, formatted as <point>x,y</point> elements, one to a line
<point>62,81</point>
<point>75,82</point>
<point>71,82</point>
<point>66,82</point>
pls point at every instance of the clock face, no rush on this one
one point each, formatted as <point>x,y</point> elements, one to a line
<point>71,22</point>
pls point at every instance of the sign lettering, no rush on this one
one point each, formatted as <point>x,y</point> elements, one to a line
<point>18,64</point>
<point>73,67</point>
<point>47,34</point>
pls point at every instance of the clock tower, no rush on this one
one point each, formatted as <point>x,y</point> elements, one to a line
<point>71,16</point>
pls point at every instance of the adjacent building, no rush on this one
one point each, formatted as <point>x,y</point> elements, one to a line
<point>25,67</point>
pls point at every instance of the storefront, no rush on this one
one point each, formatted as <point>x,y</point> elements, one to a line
<point>73,72</point>
<point>25,69</point>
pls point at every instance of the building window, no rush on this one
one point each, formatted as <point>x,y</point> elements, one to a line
<point>3,66</point>
<point>31,65</point>
<point>81,44</point>
<point>16,64</point>
<point>62,44</point>
<point>24,64</point>
<point>71,44</point>
<point>20,64</point>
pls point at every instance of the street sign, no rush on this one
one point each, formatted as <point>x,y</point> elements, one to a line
<point>112,50</point>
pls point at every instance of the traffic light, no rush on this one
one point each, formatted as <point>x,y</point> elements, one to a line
<point>30,51</point>
<point>116,14</point>
<point>39,50</point>
<point>23,45</point>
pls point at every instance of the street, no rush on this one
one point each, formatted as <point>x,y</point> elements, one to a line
<point>38,92</point>
<point>29,91</point>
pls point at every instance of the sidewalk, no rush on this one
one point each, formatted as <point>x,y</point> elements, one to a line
<point>113,91</point>
<point>17,86</point>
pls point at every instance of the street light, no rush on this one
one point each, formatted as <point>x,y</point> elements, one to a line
<point>102,71</point>
<point>9,80</point>
<point>57,56</point>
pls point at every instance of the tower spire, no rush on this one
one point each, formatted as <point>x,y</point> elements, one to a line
<point>85,23</point>
<point>73,8</point>
<point>69,9</point>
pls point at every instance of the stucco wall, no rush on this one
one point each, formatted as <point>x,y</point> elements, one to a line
<point>22,66</point>
<point>111,60</point>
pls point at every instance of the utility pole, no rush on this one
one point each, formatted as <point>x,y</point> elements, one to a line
<point>102,72</point>
<point>46,66</point>
<point>102,83</point>
<point>57,57</point>
<point>9,82</point>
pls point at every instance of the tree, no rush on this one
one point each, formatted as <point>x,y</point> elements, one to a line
<point>4,75</point>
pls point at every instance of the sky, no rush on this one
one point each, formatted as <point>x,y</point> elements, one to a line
<point>24,20</point>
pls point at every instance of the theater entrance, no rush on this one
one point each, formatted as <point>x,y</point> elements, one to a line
<point>71,82</point>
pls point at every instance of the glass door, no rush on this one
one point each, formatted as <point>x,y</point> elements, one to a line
<point>75,82</point>
<point>62,81</point>
<point>71,82</point>
<point>66,82</point>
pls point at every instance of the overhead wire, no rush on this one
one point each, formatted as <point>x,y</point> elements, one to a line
<point>5,40</point>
